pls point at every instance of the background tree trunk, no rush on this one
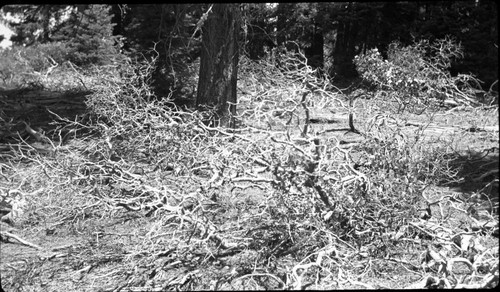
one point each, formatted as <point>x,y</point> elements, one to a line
<point>219,64</point>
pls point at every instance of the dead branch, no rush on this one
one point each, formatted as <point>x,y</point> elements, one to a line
<point>4,235</point>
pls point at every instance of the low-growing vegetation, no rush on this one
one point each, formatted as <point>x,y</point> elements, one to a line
<point>315,188</point>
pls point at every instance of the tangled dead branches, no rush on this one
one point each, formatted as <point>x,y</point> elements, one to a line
<point>279,201</point>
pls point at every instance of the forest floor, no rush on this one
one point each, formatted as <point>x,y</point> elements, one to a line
<point>83,222</point>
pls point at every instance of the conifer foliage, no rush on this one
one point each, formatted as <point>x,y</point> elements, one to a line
<point>88,34</point>
<point>82,34</point>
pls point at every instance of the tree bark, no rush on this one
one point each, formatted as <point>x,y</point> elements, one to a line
<point>314,53</point>
<point>219,64</point>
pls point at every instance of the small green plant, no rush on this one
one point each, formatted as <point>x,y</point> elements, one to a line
<point>20,65</point>
<point>417,76</point>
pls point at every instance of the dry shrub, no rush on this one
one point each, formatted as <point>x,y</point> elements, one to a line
<point>277,200</point>
<point>195,173</point>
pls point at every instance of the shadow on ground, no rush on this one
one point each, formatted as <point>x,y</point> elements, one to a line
<point>478,173</point>
<point>33,107</point>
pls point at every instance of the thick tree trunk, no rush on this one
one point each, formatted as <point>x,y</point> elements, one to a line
<point>45,21</point>
<point>219,64</point>
<point>344,49</point>
<point>314,53</point>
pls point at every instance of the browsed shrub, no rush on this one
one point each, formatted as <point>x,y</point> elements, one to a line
<point>418,76</point>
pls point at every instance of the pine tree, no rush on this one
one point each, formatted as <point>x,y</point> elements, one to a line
<point>88,34</point>
<point>219,63</point>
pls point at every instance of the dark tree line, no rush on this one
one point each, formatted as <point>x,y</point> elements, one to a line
<point>330,34</point>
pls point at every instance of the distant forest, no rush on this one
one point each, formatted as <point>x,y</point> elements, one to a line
<point>330,34</point>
